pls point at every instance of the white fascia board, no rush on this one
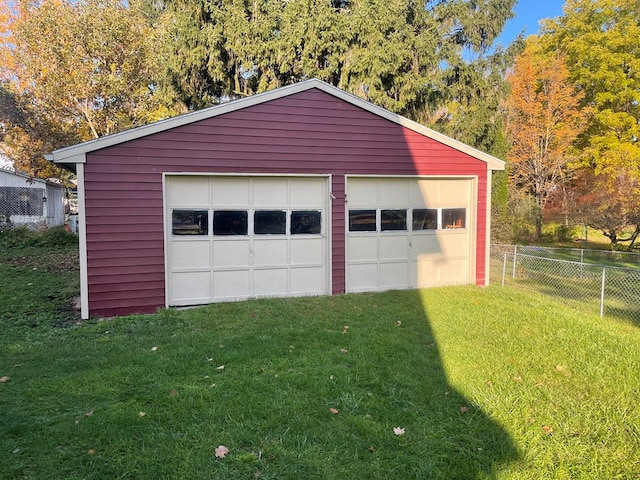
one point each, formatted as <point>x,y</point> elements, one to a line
<point>76,153</point>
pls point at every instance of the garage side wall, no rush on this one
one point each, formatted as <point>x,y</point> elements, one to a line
<point>307,133</point>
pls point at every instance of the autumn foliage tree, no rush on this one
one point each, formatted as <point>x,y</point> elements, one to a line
<point>72,71</point>
<point>609,203</point>
<point>543,120</point>
<point>601,43</point>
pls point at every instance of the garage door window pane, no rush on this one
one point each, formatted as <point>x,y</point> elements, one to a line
<point>393,220</point>
<point>425,219</point>
<point>305,222</point>
<point>230,222</point>
<point>270,222</point>
<point>454,217</point>
<point>190,222</point>
<point>362,220</point>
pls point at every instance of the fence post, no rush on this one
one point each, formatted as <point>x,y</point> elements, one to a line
<point>515,258</point>
<point>504,267</point>
<point>604,276</point>
<point>582,255</point>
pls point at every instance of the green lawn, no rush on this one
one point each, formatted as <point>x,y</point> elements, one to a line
<point>486,383</point>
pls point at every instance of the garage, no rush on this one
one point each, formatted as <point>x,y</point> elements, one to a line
<point>239,237</point>
<point>409,232</point>
<point>298,191</point>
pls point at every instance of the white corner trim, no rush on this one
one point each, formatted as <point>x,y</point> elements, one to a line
<point>76,153</point>
<point>82,233</point>
<point>165,239</point>
<point>487,248</point>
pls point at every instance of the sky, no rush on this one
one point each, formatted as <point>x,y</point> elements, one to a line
<point>527,15</point>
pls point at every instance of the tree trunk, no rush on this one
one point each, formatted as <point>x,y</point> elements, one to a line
<point>539,225</point>
<point>634,237</point>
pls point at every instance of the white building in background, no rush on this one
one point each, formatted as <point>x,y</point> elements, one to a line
<point>30,201</point>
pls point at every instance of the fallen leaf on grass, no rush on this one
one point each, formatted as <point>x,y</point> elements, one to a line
<point>372,448</point>
<point>398,323</point>
<point>141,414</point>
<point>4,379</point>
<point>344,350</point>
<point>173,393</point>
<point>17,450</point>
<point>398,431</point>
<point>153,349</point>
<point>464,409</point>
<point>91,451</point>
<point>345,330</point>
<point>221,451</point>
<point>221,367</point>
<point>89,414</point>
<point>333,410</point>
<point>547,429</point>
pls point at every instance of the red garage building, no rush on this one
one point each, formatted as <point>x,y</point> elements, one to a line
<point>303,190</point>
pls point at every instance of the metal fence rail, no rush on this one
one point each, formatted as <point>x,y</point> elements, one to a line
<point>600,288</point>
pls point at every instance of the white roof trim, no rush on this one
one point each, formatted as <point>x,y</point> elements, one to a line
<point>77,153</point>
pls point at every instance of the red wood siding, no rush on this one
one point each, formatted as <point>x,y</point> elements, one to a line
<point>307,133</point>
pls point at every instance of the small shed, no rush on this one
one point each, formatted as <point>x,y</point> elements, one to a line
<point>31,202</point>
<point>303,190</point>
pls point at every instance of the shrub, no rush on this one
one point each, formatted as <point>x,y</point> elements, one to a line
<point>21,236</point>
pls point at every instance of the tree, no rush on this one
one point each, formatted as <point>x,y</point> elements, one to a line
<point>72,71</point>
<point>413,58</point>
<point>610,208</point>
<point>601,43</point>
<point>543,119</point>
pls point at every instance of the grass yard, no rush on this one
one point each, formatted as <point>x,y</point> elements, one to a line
<point>482,383</point>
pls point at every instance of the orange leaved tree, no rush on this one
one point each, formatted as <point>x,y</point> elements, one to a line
<point>72,70</point>
<point>543,120</point>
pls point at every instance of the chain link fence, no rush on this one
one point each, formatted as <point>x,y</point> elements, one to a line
<point>582,255</point>
<point>21,201</point>
<point>600,288</point>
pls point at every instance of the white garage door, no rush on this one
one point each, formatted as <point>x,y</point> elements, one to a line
<point>409,233</point>
<point>232,238</point>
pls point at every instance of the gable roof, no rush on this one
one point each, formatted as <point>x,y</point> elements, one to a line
<point>77,153</point>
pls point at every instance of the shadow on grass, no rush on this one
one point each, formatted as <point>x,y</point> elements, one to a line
<point>311,388</point>
<point>458,439</point>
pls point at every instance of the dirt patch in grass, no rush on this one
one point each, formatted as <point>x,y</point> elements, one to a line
<point>61,261</point>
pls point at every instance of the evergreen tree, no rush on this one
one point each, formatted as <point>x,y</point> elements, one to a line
<point>426,60</point>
